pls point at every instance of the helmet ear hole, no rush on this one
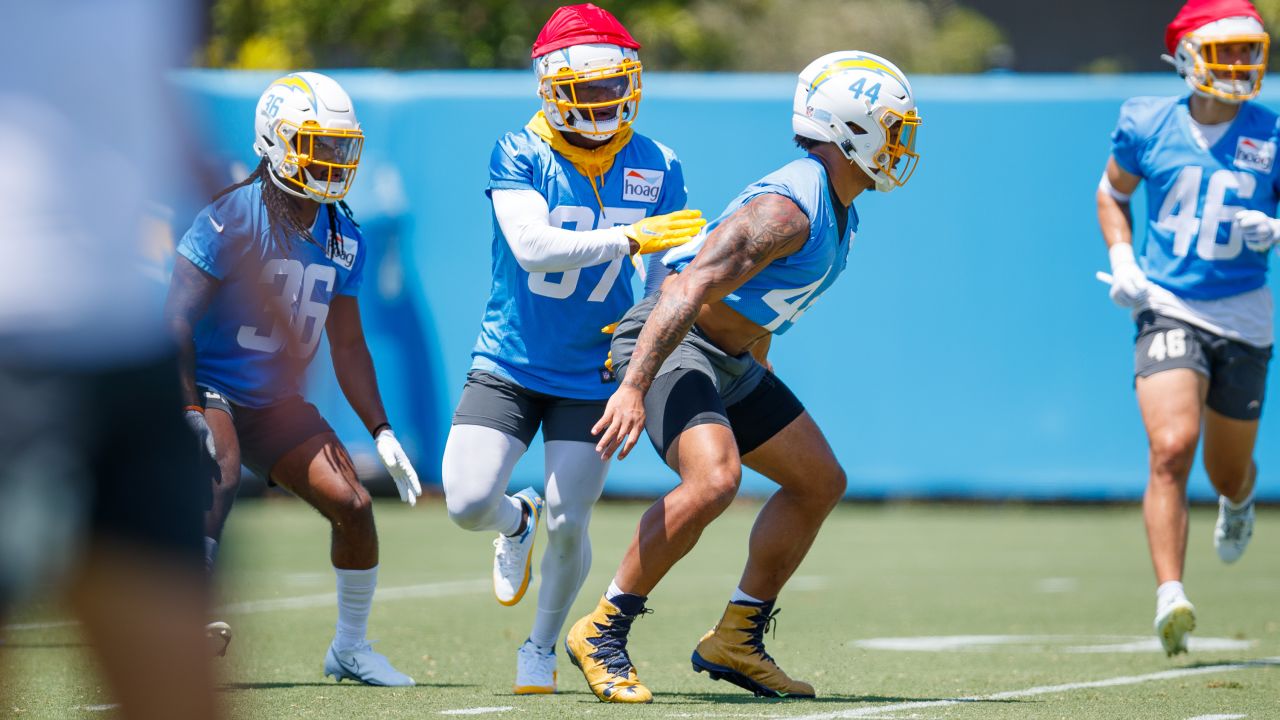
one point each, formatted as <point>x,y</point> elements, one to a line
<point>856,129</point>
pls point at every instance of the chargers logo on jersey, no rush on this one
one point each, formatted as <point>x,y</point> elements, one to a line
<point>641,185</point>
<point>1255,154</point>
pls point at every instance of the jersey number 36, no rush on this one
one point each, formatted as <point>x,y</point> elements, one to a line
<point>294,284</point>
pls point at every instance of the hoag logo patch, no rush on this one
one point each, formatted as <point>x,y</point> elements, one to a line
<point>1255,154</point>
<point>346,257</point>
<point>641,185</point>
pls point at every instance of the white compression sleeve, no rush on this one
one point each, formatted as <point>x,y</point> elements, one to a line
<point>575,476</point>
<point>539,247</point>
<point>477,465</point>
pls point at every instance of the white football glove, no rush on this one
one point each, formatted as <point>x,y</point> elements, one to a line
<point>1259,230</point>
<point>1128,283</point>
<point>392,455</point>
<point>204,436</point>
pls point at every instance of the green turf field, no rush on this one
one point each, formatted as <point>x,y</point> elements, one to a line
<point>1059,600</point>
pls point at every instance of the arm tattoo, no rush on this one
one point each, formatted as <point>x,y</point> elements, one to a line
<point>766,228</point>
<point>663,330</point>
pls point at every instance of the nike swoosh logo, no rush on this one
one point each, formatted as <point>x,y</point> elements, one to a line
<point>216,225</point>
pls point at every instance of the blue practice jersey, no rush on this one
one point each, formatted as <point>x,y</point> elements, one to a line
<point>240,348</point>
<point>780,293</point>
<point>1192,247</point>
<point>542,330</point>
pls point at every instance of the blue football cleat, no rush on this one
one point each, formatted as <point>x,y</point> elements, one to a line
<point>364,665</point>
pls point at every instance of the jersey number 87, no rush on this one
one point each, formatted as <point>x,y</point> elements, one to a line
<point>583,219</point>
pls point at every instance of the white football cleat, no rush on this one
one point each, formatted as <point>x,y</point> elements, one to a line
<point>535,670</point>
<point>1232,532</point>
<point>364,665</point>
<point>513,556</point>
<point>1173,621</point>
<point>219,636</point>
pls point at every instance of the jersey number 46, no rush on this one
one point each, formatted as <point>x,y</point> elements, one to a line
<point>1178,212</point>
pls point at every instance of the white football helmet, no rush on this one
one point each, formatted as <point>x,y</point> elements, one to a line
<point>1202,59</point>
<point>591,89</point>
<point>863,104</point>
<point>306,128</point>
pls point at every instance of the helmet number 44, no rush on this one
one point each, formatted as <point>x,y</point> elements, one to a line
<point>871,94</point>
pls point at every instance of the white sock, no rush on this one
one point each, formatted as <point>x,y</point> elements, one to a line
<point>544,649</point>
<point>211,554</point>
<point>739,596</point>
<point>1169,592</point>
<point>355,599</point>
<point>613,591</point>
<point>1240,505</point>
<point>510,515</point>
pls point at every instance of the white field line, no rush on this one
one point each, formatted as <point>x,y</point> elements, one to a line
<point>1218,717</point>
<point>298,602</point>
<point>478,710</point>
<point>758,716</point>
<point>38,625</point>
<point>406,592</point>
<point>1041,690</point>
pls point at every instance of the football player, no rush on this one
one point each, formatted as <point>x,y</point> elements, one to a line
<point>263,271</point>
<point>692,364</point>
<point>1197,287</point>
<point>577,196</point>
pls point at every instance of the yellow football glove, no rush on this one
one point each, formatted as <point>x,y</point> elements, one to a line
<point>663,232</point>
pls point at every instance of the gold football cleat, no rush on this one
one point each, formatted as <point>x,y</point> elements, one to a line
<point>734,651</point>
<point>597,645</point>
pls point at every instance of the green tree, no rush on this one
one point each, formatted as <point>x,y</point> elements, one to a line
<point>753,35</point>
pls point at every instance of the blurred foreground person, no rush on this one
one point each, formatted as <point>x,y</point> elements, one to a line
<point>694,374</point>
<point>100,491</point>
<point>264,270</point>
<point>1198,289</point>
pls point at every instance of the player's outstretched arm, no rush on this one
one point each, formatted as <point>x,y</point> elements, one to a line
<point>353,367</point>
<point>539,246</point>
<point>766,228</point>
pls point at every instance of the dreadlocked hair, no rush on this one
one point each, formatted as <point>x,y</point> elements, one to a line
<point>280,216</point>
<point>335,239</point>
